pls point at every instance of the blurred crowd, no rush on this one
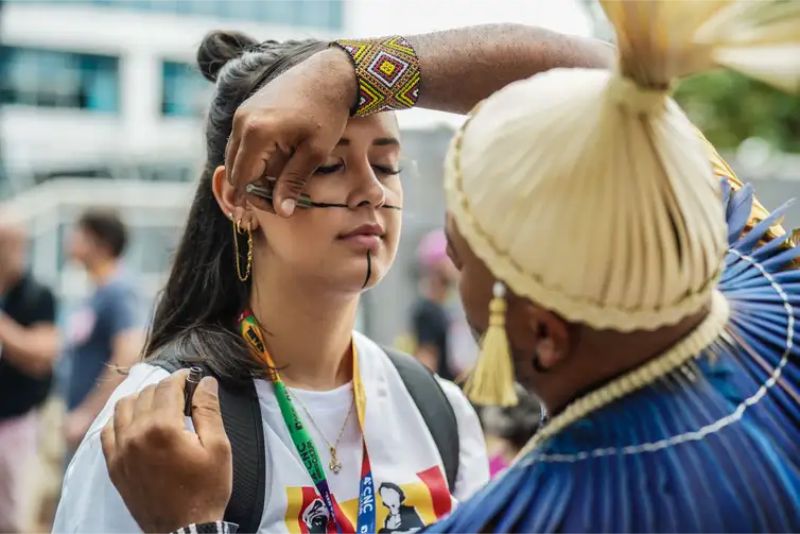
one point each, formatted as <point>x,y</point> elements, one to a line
<point>442,340</point>
<point>54,383</point>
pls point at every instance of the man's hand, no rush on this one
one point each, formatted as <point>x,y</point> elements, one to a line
<point>168,476</point>
<point>300,115</point>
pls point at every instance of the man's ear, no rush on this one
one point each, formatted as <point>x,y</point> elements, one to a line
<point>551,337</point>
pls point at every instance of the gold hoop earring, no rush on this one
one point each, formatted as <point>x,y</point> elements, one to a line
<point>237,231</point>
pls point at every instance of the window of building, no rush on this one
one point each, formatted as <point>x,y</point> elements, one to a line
<point>51,78</point>
<point>184,91</point>
<point>323,14</point>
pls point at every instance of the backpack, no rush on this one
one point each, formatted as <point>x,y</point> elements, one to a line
<point>241,416</point>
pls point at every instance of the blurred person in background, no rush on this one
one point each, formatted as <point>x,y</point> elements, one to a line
<point>431,318</point>
<point>105,334</point>
<point>508,429</point>
<point>28,348</point>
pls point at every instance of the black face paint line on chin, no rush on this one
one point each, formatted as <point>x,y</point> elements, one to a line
<point>369,270</point>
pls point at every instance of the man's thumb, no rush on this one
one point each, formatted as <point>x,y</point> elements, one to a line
<point>292,180</point>
<point>206,414</point>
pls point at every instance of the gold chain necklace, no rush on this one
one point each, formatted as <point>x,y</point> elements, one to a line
<point>334,464</point>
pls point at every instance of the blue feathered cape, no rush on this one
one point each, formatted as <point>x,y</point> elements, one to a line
<point>712,447</point>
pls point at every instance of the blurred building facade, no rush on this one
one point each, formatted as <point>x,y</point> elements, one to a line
<point>102,105</point>
<point>108,87</point>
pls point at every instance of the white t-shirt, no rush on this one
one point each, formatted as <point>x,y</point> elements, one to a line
<point>401,450</point>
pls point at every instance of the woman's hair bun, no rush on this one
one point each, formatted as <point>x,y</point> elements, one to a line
<point>219,47</point>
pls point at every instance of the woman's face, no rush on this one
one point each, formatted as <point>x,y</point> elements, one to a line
<point>348,247</point>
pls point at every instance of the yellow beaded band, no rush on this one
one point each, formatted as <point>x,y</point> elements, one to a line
<point>387,73</point>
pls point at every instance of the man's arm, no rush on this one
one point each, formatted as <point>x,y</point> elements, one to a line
<point>126,345</point>
<point>461,67</point>
<point>31,349</point>
<point>34,348</point>
<point>304,111</point>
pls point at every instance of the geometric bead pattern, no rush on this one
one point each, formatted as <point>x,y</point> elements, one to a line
<point>387,70</point>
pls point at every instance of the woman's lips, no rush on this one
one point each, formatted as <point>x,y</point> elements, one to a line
<point>363,242</point>
<point>365,237</point>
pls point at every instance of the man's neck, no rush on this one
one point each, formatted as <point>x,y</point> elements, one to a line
<point>308,332</point>
<point>102,271</point>
<point>603,355</point>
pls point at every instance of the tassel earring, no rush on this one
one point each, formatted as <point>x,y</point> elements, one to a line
<point>492,380</point>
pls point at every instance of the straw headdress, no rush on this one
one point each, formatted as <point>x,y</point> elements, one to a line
<point>589,191</point>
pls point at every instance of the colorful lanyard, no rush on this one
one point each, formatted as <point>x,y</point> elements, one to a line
<point>303,443</point>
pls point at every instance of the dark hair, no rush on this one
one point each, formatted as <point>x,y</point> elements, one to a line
<point>394,487</point>
<point>107,228</point>
<point>515,424</point>
<point>197,310</point>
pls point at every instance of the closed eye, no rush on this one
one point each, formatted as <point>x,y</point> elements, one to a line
<point>329,169</point>
<point>386,171</point>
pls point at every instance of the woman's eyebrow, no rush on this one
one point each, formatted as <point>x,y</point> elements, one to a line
<point>380,141</point>
<point>384,141</point>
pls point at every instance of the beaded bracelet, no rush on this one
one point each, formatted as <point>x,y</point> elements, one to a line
<point>387,73</point>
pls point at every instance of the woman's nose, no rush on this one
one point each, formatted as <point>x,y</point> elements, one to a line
<point>367,190</point>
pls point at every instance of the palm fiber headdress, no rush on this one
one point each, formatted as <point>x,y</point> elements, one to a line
<point>590,192</point>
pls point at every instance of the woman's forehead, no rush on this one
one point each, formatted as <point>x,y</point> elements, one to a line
<point>378,126</point>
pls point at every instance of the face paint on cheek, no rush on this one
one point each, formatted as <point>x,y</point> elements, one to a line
<point>312,204</point>
<point>304,201</point>
<point>369,270</point>
<point>264,191</point>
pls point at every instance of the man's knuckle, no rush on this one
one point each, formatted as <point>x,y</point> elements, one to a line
<point>159,432</point>
<point>317,151</point>
<point>123,404</point>
<point>133,444</point>
<point>221,448</point>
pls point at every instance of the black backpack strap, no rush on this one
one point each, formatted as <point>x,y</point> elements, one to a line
<point>241,415</point>
<point>435,408</point>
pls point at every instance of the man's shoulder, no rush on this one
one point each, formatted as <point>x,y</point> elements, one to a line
<point>120,284</point>
<point>120,291</point>
<point>28,297</point>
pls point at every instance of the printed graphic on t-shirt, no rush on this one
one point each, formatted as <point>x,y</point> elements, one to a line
<point>400,507</point>
<point>80,325</point>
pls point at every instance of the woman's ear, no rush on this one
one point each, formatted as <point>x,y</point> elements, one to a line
<point>225,194</point>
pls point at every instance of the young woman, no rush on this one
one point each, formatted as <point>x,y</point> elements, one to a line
<point>651,310</point>
<point>295,283</point>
